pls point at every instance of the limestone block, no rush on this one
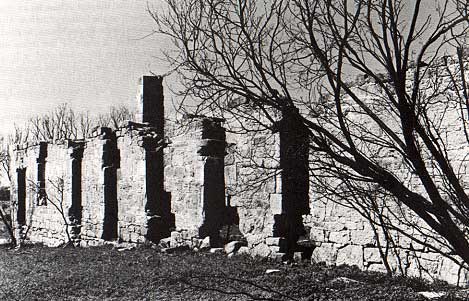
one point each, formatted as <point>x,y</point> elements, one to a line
<point>334,226</point>
<point>261,250</point>
<point>216,250</point>
<point>230,175</point>
<point>269,185</point>
<point>232,247</point>
<point>340,237</point>
<point>278,183</point>
<point>451,272</point>
<point>362,237</point>
<point>176,239</point>
<point>230,159</point>
<point>254,239</point>
<point>327,253</point>
<point>275,200</point>
<point>376,267</point>
<point>244,251</point>
<point>275,241</point>
<point>351,255</point>
<point>205,243</point>
<point>371,255</point>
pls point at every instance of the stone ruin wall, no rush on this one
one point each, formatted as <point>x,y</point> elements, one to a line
<point>343,236</point>
<point>134,187</point>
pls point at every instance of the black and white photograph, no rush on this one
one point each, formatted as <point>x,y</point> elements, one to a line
<point>278,150</point>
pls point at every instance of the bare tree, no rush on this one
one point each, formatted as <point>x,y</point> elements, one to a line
<point>115,117</point>
<point>57,200</point>
<point>64,123</point>
<point>297,57</point>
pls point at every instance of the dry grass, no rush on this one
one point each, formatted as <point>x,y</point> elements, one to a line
<point>104,273</point>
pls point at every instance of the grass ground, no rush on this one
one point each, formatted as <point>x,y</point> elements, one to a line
<point>104,273</point>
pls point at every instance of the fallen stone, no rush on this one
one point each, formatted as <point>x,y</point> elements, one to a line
<point>351,255</point>
<point>205,244</point>
<point>271,271</point>
<point>432,295</point>
<point>326,253</point>
<point>463,294</point>
<point>232,247</point>
<point>261,250</point>
<point>277,256</point>
<point>165,242</point>
<point>344,280</point>
<point>125,248</point>
<point>243,251</point>
<point>297,256</point>
<point>216,250</point>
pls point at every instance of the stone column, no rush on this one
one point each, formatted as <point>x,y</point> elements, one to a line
<point>294,148</point>
<point>212,148</point>
<point>160,220</point>
<point>75,211</point>
<point>150,115</point>
<point>41,174</point>
<point>110,164</point>
<point>196,182</point>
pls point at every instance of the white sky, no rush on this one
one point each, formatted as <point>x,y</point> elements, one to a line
<point>86,53</point>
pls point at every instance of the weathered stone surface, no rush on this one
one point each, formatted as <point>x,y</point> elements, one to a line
<point>216,250</point>
<point>261,250</point>
<point>254,239</point>
<point>376,267</point>
<point>432,295</point>
<point>276,203</point>
<point>275,241</point>
<point>272,271</point>
<point>351,255</point>
<point>205,244</point>
<point>362,238</point>
<point>340,237</point>
<point>327,253</point>
<point>317,234</point>
<point>232,247</point>
<point>243,251</point>
<point>372,255</point>
<point>297,256</point>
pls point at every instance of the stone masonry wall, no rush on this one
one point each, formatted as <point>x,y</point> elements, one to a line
<point>131,194</point>
<point>44,214</point>
<point>343,236</point>
<point>141,184</point>
<point>194,175</point>
<point>267,182</point>
<point>253,186</point>
<point>111,187</point>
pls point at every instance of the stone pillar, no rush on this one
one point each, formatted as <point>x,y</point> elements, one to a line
<point>294,150</point>
<point>160,220</point>
<point>110,164</point>
<point>41,174</point>
<point>151,116</point>
<point>20,197</point>
<point>75,211</point>
<point>150,100</point>
<point>196,181</point>
<point>212,148</point>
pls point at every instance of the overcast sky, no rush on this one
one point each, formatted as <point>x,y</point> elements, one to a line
<point>86,53</point>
